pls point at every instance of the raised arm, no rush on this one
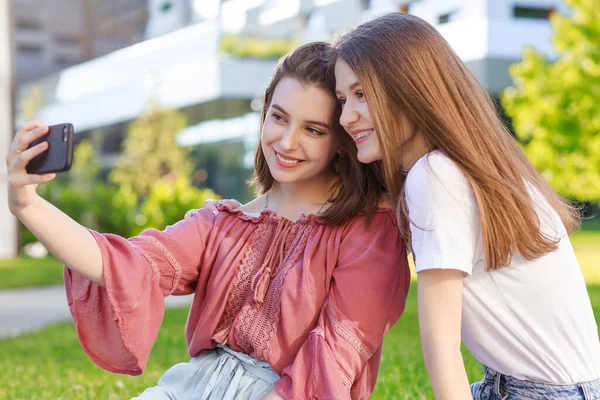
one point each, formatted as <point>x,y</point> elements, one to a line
<point>67,240</point>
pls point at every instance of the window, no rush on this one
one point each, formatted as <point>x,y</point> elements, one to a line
<point>29,24</point>
<point>64,60</point>
<point>29,48</point>
<point>448,17</point>
<point>165,7</point>
<point>365,4</point>
<point>66,40</point>
<point>533,12</point>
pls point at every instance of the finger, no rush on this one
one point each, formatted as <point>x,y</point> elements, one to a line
<point>189,213</point>
<point>25,179</point>
<point>211,205</point>
<point>27,126</point>
<point>231,203</point>
<point>23,141</point>
<point>23,158</point>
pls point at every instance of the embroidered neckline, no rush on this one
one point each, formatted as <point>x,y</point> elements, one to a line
<point>271,215</point>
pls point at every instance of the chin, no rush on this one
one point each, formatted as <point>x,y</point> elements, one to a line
<point>368,156</point>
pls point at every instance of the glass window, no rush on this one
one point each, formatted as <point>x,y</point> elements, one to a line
<point>532,12</point>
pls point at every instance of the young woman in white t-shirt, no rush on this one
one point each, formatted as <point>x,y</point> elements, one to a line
<point>490,238</point>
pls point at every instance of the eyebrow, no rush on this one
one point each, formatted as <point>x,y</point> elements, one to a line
<point>352,87</point>
<point>322,124</point>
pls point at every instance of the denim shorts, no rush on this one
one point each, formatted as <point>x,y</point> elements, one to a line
<point>496,386</point>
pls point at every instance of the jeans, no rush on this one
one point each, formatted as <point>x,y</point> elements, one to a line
<point>496,386</point>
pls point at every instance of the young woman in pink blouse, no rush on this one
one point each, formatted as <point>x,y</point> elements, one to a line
<point>293,291</point>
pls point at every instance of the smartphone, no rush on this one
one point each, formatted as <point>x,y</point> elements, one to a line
<point>59,155</point>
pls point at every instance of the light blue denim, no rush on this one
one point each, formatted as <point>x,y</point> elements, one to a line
<point>496,386</point>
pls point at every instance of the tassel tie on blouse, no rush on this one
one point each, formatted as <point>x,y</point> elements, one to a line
<point>273,261</point>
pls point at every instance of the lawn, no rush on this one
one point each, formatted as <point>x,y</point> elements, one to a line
<point>51,365</point>
<point>30,272</point>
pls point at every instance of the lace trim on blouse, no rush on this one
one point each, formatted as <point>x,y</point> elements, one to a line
<point>254,304</point>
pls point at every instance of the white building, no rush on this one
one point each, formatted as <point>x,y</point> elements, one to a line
<point>489,35</point>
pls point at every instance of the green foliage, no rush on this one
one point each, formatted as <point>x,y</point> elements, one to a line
<point>554,105</point>
<point>150,188</point>
<point>252,47</point>
<point>150,151</point>
<point>169,200</point>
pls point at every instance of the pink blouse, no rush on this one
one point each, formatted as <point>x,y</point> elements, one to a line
<point>311,299</point>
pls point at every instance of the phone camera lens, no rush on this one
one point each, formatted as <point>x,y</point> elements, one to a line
<point>65,133</point>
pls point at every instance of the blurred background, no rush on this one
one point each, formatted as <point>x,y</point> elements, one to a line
<point>164,98</point>
<point>165,91</point>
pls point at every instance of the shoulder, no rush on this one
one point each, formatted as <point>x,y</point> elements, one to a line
<point>433,168</point>
<point>254,207</point>
<point>436,177</point>
<point>383,221</point>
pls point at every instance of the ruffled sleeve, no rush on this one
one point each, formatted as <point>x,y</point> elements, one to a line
<point>117,325</point>
<point>340,358</point>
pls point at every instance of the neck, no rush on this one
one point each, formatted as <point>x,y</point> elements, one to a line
<point>291,200</point>
<point>413,150</point>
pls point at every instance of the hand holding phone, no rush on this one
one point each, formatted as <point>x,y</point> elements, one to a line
<point>59,155</point>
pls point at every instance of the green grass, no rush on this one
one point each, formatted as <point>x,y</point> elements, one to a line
<point>30,272</point>
<point>50,364</point>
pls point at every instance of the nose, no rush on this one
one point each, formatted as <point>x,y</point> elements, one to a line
<point>349,115</point>
<point>288,139</point>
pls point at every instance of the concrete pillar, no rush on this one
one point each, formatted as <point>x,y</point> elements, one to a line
<point>8,224</point>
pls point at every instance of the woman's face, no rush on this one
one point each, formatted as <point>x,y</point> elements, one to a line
<point>297,139</point>
<point>356,118</point>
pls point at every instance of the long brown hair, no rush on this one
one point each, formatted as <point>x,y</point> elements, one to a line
<point>359,187</point>
<point>407,70</point>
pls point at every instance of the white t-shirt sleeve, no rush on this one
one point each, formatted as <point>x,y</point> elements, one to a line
<point>444,217</point>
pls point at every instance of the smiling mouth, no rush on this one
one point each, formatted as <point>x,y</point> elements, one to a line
<point>362,134</point>
<point>284,161</point>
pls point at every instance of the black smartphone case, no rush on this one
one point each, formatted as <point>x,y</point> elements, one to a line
<point>59,155</point>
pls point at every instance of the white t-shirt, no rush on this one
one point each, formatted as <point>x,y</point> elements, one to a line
<point>530,319</point>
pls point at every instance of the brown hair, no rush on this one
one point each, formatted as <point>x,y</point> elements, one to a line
<point>359,186</point>
<point>407,70</point>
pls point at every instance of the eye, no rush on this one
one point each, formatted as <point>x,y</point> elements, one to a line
<point>359,94</point>
<point>277,117</point>
<point>315,131</point>
<point>341,101</point>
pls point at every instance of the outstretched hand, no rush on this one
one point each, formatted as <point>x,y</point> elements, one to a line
<point>21,185</point>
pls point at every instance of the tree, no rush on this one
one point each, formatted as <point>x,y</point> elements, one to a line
<point>150,152</point>
<point>554,105</point>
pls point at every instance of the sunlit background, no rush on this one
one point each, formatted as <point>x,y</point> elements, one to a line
<point>164,98</point>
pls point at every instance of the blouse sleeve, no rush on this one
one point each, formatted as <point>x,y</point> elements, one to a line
<point>118,324</point>
<point>444,216</point>
<point>339,359</point>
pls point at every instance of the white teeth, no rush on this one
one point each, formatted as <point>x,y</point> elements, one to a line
<point>363,134</point>
<point>285,160</point>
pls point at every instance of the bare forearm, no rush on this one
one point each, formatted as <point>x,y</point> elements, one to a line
<point>67,240</point>
<point>448,376</point>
